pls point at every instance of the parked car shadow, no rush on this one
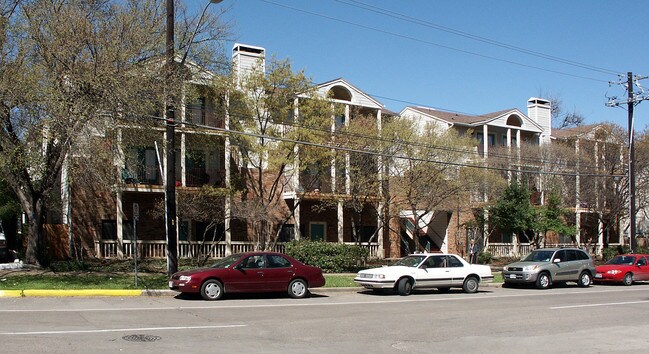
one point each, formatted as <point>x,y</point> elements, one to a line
<point>244,296</point>
<point>416,292</point>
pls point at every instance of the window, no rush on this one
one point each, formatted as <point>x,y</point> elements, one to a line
<point>287,233</point>
<point>582,255</point>
<point>454,262</point>
<point>560,255</point>
<point>491,137</point>
<point>275,261</point>
<point>256,261</point>
<point>642,262</point>
<point>109,230</point>
<point>318,231</point>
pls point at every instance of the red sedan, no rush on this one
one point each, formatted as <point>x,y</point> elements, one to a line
<point>249,273</point>
<point>624,268</point>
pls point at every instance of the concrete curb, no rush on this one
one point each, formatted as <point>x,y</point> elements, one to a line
<point>158,292</point>
<point>11,293</point>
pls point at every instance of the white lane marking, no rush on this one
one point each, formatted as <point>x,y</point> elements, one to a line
<point>122,330</point>
<point>597,305</point>
<point>291,303</point>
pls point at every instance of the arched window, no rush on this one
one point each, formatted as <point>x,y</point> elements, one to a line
<point>514,121</point>
<point>340,93</point>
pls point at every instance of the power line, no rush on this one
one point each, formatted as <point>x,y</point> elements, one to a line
<point>432,43</point>
<point>407,18</point>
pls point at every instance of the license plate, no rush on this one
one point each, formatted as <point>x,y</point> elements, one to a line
<point>598,275</point>
<point>171,284</point>
<point>512,276</point>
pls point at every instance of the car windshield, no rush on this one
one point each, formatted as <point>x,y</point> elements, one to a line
<point>410,261</point>
<point>538,256</point>
<point>622,260</point>
<point>226,262</point>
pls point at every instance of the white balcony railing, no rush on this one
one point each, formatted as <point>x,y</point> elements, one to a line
<point>158,248</point>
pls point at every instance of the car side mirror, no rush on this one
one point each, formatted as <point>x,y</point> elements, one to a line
<point>423,266</point>
<point>556,260</point>
<point>239,266</point>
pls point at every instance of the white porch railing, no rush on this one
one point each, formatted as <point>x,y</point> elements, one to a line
<point>158,248</point>
<point>372,246</point>
<point>507,249</point>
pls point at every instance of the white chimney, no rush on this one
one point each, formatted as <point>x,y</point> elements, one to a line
<point>540,110</point>
<point>246,59</point>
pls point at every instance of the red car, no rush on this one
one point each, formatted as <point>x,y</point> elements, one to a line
<point>624,268</point>
<point>249,273</point>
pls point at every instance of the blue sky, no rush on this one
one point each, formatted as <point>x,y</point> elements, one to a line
<point>400,62</point>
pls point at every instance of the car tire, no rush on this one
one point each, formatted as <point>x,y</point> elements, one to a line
<point>471,285</point>
<point>298,289</point>
<point>444,289</point>
<point>585,280</point>
<point>404,287</point>
<point>628,279</point>
<point>543,281</point>
<point>212,289</point>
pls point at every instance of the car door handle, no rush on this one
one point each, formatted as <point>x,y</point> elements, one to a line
<point>261,273</point>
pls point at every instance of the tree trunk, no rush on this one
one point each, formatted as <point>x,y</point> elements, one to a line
<point>35,253</point>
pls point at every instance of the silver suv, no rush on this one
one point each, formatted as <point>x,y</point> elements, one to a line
<point>545,266</point>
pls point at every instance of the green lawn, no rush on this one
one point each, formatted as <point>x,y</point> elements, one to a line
<point>114,281</point>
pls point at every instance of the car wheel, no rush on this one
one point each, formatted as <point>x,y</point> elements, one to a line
<point>404,287</point>
<point>298,289</point>
<point>212,289</point>
<point>628,279</point>
<point>470,285</point>
<point>444,289</point>
<point>584,280</point>
<point>543,281</point>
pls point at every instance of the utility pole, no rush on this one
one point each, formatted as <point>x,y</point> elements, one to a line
<point>632,100</point>
<point>170,179</point>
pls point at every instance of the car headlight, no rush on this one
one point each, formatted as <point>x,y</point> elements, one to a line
<point>614,271</point>
<point>185,278</point>
<point>530,268</point>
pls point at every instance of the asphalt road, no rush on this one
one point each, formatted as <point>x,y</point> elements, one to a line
<point>599,319</point>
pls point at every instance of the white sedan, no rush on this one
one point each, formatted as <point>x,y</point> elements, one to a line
<point>425,271</point>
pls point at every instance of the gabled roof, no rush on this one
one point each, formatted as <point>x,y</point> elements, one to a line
<point>575,132</point>
<point>359,97</point>
<point>455,118</point>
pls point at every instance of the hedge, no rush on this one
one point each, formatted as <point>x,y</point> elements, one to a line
<point>330,257</point>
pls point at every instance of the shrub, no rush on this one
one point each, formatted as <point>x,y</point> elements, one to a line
<point>485,257</point>
<point>610,252</point>
<point>330,257</point>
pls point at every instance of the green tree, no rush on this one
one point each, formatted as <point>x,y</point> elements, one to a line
<point>70,70</point>
<point>513,213</point>
<point>551,217</point>
<point>270,141</point>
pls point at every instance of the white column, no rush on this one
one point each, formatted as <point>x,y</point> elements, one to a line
<point>228,180</point>
<point>295,181</point>
<point>333,159</point>
<point>509,139</point>
<point>348,180</point>
<point>600,235</point>
<point>341,215</point>
<point>485,140</point>
<point>379,215</point>
<point>120,223</point>
<point>577,197</point>
<point>119,216</point>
